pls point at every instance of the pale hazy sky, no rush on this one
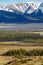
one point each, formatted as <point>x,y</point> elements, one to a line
<point>18,1</point>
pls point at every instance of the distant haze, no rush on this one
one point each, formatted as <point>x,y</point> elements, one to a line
<point>33,26</point>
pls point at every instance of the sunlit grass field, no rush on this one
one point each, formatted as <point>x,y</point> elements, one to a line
<point>20,59</point>
<point>21,48</point>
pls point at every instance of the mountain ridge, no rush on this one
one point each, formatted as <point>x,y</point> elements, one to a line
<point>28,18</point>
<point>30,14</point>
<point>19,7</point>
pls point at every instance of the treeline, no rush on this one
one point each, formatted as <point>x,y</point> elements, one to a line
<point>20,36</point>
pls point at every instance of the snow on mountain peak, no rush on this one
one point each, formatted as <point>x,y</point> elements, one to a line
<point>21,7</point>
<point>41,7</point>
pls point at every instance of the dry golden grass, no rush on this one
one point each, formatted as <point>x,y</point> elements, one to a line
<point>5,59</point>
<point>41,33</point>
<point>5,48</point>
<point>38,60</point>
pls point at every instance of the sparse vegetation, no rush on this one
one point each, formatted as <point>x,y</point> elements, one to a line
<point>13,58</point>
<point>21,37</point>
<point>26,61</point>
<point>20,53</point>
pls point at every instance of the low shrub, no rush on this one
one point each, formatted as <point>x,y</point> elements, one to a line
<point>20,53</point>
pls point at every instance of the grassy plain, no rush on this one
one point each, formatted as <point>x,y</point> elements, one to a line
<point>11,40</point>
<point>11,60</point>
<point>21,38</point>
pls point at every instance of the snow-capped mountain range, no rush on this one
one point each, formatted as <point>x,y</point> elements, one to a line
<point>21,7</point>
<point>21,14</point>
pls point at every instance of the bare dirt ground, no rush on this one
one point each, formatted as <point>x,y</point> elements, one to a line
<point>5,59</point>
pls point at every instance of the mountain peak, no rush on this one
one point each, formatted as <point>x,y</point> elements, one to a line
<point>41,4</point>
<point>41,7</point>
<point>21,7</point>
<point>15,13</point>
